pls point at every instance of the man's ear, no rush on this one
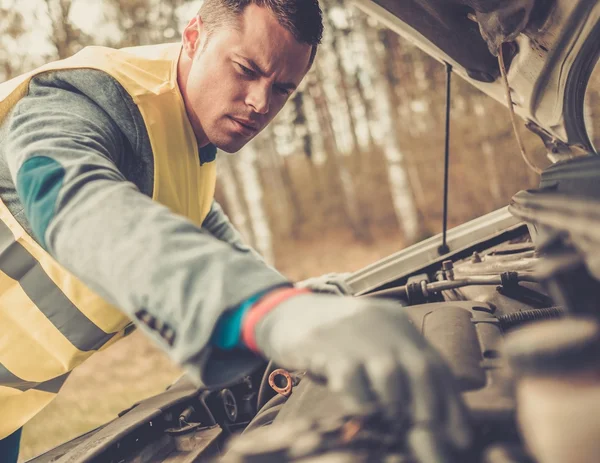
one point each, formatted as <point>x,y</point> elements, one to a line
<point>194,36</point>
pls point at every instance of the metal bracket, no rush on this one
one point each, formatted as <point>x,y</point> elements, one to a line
<point>558,150</point>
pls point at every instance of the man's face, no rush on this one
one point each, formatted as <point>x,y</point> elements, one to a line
<point>237,79</point>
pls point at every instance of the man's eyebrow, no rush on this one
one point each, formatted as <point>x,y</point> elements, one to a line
<point>256,68</point>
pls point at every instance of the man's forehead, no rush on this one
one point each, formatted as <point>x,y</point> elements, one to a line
<point>268,43</point>
<point>268,61</point>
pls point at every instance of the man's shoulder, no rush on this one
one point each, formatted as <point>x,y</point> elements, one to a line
<point>98,100</point>
<point>98,86</point>
<point>81,78</point>
<point>102,93</point>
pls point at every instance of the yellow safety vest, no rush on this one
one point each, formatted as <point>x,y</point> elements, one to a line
<point>50,322</point>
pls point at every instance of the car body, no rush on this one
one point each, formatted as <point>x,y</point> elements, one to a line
<point>551,57</point>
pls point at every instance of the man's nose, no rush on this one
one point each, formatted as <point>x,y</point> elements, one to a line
<point>259,97</point>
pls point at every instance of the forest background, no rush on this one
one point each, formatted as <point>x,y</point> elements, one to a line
<point>350,171</point>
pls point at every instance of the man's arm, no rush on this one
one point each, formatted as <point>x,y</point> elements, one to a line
<point>60,149</point>
<point>219,225</point>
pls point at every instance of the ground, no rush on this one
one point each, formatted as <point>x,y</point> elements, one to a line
<point>134,369</point>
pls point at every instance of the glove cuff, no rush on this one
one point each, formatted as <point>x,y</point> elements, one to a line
<point>261,308</point>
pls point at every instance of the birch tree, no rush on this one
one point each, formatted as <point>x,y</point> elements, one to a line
<point>411,88</point>
<point>253,193</point>
<point>334,50</point>
<point>66,37</point>
<point>232,191</point>
<point>318,154</point>
<point>385,102</point>
<point>144,22</point>
<point>287,204</point>
<point>348,193</point>
<point>489,153</point>
<point>14,58</point>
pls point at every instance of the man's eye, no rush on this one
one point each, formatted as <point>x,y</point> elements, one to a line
<point>282,91</point>
<point>247,71</point>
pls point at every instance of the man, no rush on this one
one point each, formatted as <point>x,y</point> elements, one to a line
<point>108,217</point>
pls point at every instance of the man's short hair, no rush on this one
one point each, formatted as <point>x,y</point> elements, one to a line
<point>303,18</point>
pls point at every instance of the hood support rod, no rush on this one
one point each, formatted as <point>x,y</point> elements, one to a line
<point>444,249</point>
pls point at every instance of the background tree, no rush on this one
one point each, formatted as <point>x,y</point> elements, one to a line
<point>66,37</point>
<point>13,56</point>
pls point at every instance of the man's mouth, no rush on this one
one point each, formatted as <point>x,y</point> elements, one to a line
<point>245,125</point>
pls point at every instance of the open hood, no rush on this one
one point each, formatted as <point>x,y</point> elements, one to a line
<point>550,48</point>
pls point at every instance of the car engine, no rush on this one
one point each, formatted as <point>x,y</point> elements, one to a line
<point>514,316</point>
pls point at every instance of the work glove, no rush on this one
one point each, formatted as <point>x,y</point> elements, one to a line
<point>332,283</point>
<point>369,352</point>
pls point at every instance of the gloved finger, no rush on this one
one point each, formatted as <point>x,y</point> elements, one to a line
<point>427,396</point>
<point>348,378</point>
<point>343,289</point>
<point>427,446</point>
<point>388,384</point>
<point>327,288</point>
<point>457,425</point>
<point>336,276</point>
<point>332,283</point>
<point>309,358</point>
<point>453,418</point>
<point>367,343</point>
<point>436,401</point>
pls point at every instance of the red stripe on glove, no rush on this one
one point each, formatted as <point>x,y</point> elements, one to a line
<point>263,307</point>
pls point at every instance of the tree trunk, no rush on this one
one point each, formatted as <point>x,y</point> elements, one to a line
<point>12,31</point>
<point>488,151</point>
<point>336,43</point>
<point>385,102</point>
<point>253,193</point>
<point>349,197</point>
<point>238,209</point>
<point>66,37</point>
<point>287,206</point>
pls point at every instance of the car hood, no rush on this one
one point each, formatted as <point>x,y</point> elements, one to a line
<point>550,46</point>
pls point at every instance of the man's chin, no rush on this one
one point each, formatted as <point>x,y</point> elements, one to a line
<point>230,145</point>
<point>229,151</point>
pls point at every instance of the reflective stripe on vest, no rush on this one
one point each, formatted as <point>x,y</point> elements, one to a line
<point>50,322</point>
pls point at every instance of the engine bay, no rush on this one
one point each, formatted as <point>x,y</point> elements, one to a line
<point>464,308</point>
<point>512,309</point>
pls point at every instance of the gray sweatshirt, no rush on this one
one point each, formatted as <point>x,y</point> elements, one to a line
<point>102,225</point>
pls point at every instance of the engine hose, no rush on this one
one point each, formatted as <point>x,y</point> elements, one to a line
<point>268,413</point>
<point>265,392</point>
<point>435,287</point>
<point>512,320</point>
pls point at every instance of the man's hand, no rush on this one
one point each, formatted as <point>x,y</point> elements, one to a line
<point>368,351</point>
<point>331,283</point>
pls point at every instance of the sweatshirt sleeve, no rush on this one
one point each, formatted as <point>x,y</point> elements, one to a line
<point>219,225</point>
<point>151,263</point>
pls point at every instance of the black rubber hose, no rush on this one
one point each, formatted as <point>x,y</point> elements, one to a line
<point>268,413</point>
<point>512,320</point>
<point>265,392</point>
